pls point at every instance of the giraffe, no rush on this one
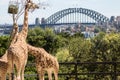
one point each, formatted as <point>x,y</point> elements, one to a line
<point>18,52</point>
<point>4,67</point>
<point>4,58</point>
<point>44,62</point>
<point>14,33</point>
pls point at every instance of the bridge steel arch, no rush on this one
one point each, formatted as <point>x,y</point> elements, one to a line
<point>91,13</point>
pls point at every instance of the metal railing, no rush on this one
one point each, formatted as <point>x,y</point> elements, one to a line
<point>114,73</point>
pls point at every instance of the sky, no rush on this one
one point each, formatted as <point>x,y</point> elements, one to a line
<point>106,7</point>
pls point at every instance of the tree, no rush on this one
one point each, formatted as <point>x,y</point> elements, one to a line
<point>63,52</point>
<point>95,50</point>
<point>111,43</point>
<point>36,37</point>
<point>79,48</point>
<point>96,30</point>
<point>4,41</point>
<point>46,39</point>
<point>106,47</point>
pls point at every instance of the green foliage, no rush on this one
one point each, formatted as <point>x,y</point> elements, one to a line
<point>97,30</point>
<point>4,41</point>
<point>51,41</point>
<point>63,55</point>
<point>72,48</point>
<point>78,34</point>
<point>36,37</point>
<point>96,45</point>
<point>112,46</point>
<point>80,49</point>
<point>46,39</point>
<point>106,47</point>
<point>64,34</point>
<point>30,70</point>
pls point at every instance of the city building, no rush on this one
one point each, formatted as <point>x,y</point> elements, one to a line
<point>37,21</point>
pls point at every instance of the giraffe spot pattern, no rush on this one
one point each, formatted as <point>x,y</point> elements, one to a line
<point>43,60</point>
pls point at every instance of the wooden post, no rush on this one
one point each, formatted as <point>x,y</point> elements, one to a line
<point>67,78</point>
<point>76,75</point>
<point>115,75</point>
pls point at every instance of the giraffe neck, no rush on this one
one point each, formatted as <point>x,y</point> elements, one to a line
<point>14,34</point>
<point>35,51</point>
<point>24,30</point>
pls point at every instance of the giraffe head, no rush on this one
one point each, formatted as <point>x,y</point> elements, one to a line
<point>31,6</point>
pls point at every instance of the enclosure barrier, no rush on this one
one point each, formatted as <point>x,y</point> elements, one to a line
<point>114,73</point>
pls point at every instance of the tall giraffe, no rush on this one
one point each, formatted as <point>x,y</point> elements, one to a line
<point>18,52</point>
<point>44,62</point>
<point>4,67</point>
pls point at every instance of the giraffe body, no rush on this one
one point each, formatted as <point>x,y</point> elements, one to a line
<point>3,70</point>
<point>18,55</point>
<point>18,52</point>
<point>5,67</point>
<point>44,62</point>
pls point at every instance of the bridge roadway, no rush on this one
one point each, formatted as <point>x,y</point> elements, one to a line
<point>49,25</point>
<point>56,24</point>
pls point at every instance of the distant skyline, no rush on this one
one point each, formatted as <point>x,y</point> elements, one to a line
<point>106,7</point>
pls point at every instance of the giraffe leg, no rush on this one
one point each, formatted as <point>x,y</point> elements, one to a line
<point>9,76</point>
<point>41,75</point>
<point>56,74</point>
<point>23,73</point>
<point>49,74</point>
<point>10,69</point>
<point>12,75</point>
<point>18,75</point>
<point>18,68</point>
<point>40,72</point>
<point>23,69</point>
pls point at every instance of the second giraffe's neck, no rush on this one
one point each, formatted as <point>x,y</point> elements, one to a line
<point>24,30</point>
<point>35,51</point>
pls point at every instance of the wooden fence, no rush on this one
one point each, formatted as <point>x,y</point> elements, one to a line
<point>114,72</point>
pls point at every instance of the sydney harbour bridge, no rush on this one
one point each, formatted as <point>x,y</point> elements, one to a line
<point>67,16</point>
<point>73,16</point>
